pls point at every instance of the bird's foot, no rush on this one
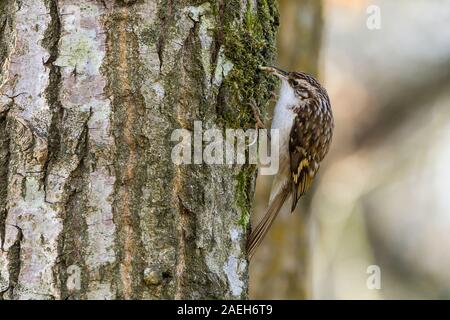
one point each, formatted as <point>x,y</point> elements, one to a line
<point>257,115</point>
<point>259,123</point>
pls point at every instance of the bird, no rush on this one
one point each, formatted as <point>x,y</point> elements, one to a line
<point>305,124</point>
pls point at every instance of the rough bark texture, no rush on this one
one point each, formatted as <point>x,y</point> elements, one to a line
<point>91,205</point>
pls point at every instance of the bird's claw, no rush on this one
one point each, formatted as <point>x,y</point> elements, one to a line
<point>257,115</point>
<point>259,123</point>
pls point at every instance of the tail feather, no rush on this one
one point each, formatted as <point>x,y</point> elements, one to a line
<point>257,235</point>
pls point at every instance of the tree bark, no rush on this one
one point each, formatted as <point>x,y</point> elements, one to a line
<point>91,205</point>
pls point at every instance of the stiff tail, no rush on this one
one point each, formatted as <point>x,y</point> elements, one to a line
<point>259,233</point>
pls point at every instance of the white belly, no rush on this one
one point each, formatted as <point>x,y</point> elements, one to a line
<point>282,121</point>
<point>283,117</point>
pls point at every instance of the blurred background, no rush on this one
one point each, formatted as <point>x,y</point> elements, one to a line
<point>382,196</point>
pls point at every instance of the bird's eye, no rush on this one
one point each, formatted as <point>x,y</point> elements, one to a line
<point>295,82</point>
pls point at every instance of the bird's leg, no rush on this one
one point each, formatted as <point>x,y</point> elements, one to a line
<point>259,123</point>
<point>257,115</point>
<point>274,96</point>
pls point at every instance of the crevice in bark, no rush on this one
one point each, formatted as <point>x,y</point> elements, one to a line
<point>181,260</point>
<point>3,46</point>
<point>50,41</point>
<point>14,262</point>
<point>7,34</point>
<point>129,161</point>
<point>218,36</point>
<point>72,240</point>
<point>5,156</point>
<point>3,215</point>
<point>192,64</point>
<point>166,19</point>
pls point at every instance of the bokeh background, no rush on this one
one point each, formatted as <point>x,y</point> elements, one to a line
<point>383,194</point>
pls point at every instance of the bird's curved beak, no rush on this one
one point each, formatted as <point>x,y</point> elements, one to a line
<point>276,71</point>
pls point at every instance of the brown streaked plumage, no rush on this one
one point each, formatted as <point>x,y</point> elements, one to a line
<point>304,119</point>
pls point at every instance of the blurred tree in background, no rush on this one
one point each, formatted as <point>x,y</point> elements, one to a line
<point>381,197</point>
<point>283,258</point>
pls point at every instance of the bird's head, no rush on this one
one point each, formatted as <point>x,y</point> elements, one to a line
<point>301,84</point>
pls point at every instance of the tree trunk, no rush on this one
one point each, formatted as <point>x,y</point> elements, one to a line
<point>91,205</point>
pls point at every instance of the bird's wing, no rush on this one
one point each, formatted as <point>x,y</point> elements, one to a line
<point>302,166</point>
